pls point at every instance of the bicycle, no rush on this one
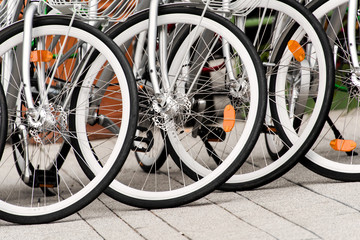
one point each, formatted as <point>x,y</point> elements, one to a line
<point>188,143</point>
<point>283,68</point>
<point>335,154</point>
<point>48,59</point>
<point>86,110</point>
<point>171,108</point>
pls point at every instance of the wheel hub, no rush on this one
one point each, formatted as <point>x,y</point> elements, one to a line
<point>171,110</point>
<point>50,119</point>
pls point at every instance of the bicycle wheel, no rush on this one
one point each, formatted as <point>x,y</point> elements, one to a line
<point>335,154</point>
<point>300,73</point>
<point>38,184</point>
<point>169,186</point>
<point>298,89</point>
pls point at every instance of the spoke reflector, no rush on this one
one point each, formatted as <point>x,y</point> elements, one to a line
<point>343,145</point>
<point>297,50</point>
<point>229,118</point>
<point>41,56</point>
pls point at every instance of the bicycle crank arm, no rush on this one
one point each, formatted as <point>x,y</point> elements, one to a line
<point>201,104</point>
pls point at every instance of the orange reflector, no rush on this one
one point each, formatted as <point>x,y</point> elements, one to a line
<point>41,56</point>
<point>343,145</point>
<point>297,50</point>
<point>229,118</point>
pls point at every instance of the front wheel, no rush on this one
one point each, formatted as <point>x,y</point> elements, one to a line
<point>41,181</point>
<point>299,67</point>
<point>336,152</point>
<point>194,119</point>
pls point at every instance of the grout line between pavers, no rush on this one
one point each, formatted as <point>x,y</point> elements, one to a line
<point>117,215</point>
<point>91,226</point>
<point>323,195</point>
<point>277,214</point>
<point>177,230</point>
<point>227,210</point>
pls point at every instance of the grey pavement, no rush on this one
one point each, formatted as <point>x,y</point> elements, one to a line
<point>300,205</point>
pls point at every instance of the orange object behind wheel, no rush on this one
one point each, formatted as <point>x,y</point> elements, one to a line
<point>229,118</point>
<point>343,145</point>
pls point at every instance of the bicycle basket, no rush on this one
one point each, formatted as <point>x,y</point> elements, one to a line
<point>110,10</point>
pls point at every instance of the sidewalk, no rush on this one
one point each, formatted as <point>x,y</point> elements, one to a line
<point>300,205</point>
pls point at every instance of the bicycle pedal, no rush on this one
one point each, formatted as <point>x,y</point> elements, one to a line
<point>343,145</point>
<point>352,153</point>
<point>148,140</point>
<point>46,179</point>
<point>47,192</point>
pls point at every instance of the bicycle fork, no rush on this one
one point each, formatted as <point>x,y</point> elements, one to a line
<point>165,103</point>
<point>39,117</point>
<point>352,16</point>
